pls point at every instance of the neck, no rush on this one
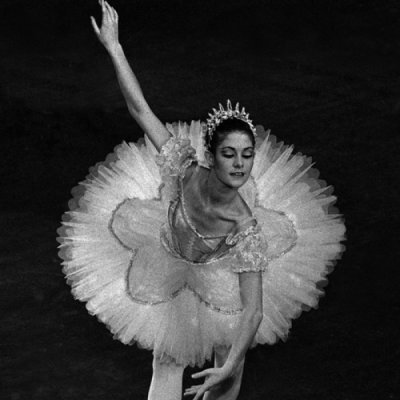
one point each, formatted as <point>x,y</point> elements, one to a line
<point>217,193</point>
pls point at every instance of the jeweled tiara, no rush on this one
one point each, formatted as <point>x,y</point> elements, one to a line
<point>218,116</point>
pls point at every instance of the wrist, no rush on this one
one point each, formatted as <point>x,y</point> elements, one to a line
<point>116,51</point>
<point>229,368</point>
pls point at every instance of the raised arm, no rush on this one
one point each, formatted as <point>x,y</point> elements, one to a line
<point>137,105</point>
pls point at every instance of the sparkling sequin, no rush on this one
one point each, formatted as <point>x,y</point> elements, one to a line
<point>174,294</point>
<point>111,229</point>
<point>246,249</point>
<point>175,157</point>
<point>249,251</point>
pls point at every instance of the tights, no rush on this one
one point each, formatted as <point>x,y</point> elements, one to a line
<point>166,383</point>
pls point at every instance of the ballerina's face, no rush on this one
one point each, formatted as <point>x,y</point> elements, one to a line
<point>233,159</point>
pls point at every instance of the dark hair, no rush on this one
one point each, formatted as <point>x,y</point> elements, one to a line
<point>224,129</point>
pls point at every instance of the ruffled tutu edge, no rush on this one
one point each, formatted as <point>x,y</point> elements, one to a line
<point>95,262</point>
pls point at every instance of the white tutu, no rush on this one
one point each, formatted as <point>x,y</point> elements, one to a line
<point>115,261</point>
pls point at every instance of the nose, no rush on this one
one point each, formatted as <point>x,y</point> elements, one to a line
<point>238,162</point>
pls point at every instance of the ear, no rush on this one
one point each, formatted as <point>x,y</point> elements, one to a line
<point>209,158</point>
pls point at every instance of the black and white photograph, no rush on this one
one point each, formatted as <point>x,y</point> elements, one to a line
<point>200,200</point>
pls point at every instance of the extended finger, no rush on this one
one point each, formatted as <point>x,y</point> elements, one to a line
<point>109,8</point>
<point>202,373</point>
<point>199,394</point>
<point>110,14</point>
<point>194,387</point>
<point>104,11</point>
<point>106,6</point>
<point>95,27</point>
<point>115,14</point>
<point>192,390</point>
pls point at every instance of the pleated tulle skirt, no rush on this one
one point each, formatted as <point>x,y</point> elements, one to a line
<point>114,246</point>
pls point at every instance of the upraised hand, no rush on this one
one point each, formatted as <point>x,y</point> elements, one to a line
<point>108,32</point>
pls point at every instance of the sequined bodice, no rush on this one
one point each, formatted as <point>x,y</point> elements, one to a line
<point>244,244</point>
<point>187,241</point>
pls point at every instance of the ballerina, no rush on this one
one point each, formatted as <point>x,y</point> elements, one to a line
<point>202,242</point>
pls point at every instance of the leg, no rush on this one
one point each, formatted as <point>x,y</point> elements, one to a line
<point>228,390</point>
<point>166,383</point>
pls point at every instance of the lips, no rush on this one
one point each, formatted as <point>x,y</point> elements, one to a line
<point>237,174</point>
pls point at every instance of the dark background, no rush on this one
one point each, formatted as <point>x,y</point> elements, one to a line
<point>324,75</point>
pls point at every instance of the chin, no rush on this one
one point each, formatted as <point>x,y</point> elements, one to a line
<point>237,183</point>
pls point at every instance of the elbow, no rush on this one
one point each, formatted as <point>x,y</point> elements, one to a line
<point>135,110</point>
<point>138,107</point>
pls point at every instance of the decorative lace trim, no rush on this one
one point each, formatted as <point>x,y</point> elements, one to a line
<point>175,157</point>
<point>250,251</point>
<point>260,268</point>
<point>174,294</point>
<point>282,253</point>
<point>111,228</point>
<point>232,239</point>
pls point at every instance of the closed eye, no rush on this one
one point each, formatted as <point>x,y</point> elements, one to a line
<point>232,155</point>
<point>228,155</point>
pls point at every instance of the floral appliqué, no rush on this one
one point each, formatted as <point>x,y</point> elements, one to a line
<point>249,251</point>
<point>175,156</point>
